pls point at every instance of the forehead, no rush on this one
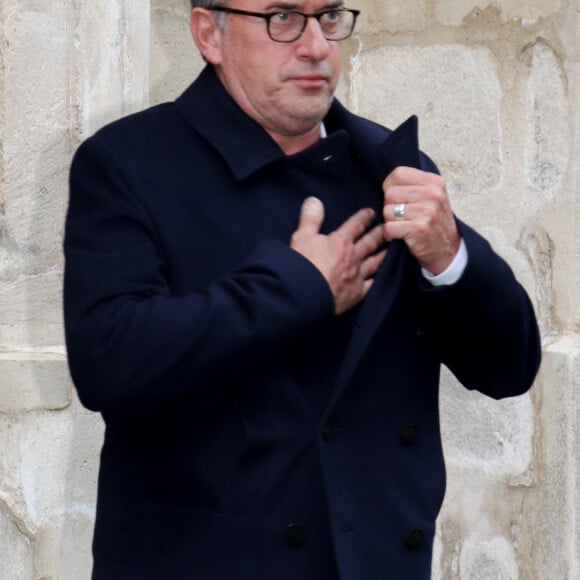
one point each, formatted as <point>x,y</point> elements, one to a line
<point>301,5</point>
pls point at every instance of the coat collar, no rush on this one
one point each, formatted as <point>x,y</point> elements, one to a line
<point>246,146</point>
<point>242,142</point>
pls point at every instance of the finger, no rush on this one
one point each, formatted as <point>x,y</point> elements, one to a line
<point>392,211</point>
<point>371,265</point>
<point>414,193</point>
<point>311,215</point>
<point>403,194</point>
<point>356,224</point>
<point>370,242</point>
<point>396,230</point>
<point>367,285</point>
<point>431,192</point>
<point>411,176</point>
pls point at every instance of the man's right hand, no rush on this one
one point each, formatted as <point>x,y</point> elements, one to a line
<point>346,257</point>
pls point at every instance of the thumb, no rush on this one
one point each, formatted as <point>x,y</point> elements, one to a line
<point>311,215</point>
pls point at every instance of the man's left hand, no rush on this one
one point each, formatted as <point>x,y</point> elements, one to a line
<point>427,225</point>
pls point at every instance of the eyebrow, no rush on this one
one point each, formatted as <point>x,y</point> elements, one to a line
<point>294,6</point>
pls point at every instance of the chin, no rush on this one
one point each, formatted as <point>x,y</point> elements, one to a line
<point>314,109</point>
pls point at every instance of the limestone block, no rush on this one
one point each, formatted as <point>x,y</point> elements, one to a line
<point>576,116</point>
<point>378,16</point>
<point>63,549</point>
<point>35,134</point>
<point>35,198</point>
<point>455,91</point>
<point>33,467</point>
<point>531,257</point>
<point>175,60</point>
<point>351,47</point>
<point>480,532</point>
<point>31,311</point>
<point>72,525</point>
<point>536,245</point>
<point>547,149</point>
<point>574,348</point>
<point>483,559</point>
<point>493,437</point>
<point>488,522</point>
<point>16,560</point>
<point>83,459</point>
<point>36,65</point>
<point>33,380</point>
<point>452,12</point>
<point>550,510</point>
<point>574,285</point>
<point>577,33</point>
<point>111,75</point>
<point>48,474</point>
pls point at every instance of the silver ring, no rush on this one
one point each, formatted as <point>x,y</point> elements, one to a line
<point>399,210</point>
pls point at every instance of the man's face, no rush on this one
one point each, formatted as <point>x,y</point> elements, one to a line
<point>286,87</point>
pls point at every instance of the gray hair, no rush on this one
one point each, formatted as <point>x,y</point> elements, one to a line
<point>211,4</point>
<point>220,16</point>
<point>205,3</point>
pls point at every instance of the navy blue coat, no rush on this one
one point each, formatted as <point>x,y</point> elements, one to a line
<point>233,450</point>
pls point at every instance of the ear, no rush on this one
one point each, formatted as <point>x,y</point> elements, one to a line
<point>206,34</point>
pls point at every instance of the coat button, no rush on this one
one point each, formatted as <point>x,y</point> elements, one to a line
<point>409,434</point>
<point>414,539</point>
<point>294,535</point>
<point>327,431</point>
<point>421,334</point>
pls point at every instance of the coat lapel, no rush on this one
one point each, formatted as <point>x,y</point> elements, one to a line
<point>399,148</point>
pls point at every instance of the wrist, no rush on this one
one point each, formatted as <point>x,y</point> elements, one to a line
<point>453,271</point>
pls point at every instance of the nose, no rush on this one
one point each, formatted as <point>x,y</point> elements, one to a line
<point>312,43</point>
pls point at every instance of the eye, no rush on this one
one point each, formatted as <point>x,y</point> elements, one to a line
<point>331,17</point>
<point>280,17</point>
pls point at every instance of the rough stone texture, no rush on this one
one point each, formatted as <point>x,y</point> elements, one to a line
<point>493,437</point>
<point>30,296</point>
<point>174,62</point>
<point>493,558</point>
<point>547,152</point>
<point>549,508</point>
<point>34,124</point>
<point>574,381</point>
<point>33,380</point>
<point>458,111</point>
<point>495,85</point>
<point>16,558</point>
<point>111,58</point>
<point>48,474</point>
<point>453,12</point>
<point>379,16</point>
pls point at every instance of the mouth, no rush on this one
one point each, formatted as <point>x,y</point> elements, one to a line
<point>313,80</point>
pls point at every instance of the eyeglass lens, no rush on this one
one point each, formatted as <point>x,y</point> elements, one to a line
<point>288,26</point>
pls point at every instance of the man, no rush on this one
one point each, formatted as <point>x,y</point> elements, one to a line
<point>260,289</point>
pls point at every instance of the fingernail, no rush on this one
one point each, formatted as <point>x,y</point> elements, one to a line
<point>312,205</point>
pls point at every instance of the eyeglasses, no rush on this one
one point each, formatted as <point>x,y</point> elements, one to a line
<point>289,25</point>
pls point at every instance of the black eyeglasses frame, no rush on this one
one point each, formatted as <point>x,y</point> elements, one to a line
<point>267,16</point>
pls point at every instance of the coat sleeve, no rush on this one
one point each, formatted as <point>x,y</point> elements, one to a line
<point>128,338</point>
<point>485,324</point>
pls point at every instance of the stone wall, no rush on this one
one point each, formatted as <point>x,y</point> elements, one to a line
<point>495,85</point>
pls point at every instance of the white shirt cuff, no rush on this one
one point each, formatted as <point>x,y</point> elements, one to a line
<point>453,272</point>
